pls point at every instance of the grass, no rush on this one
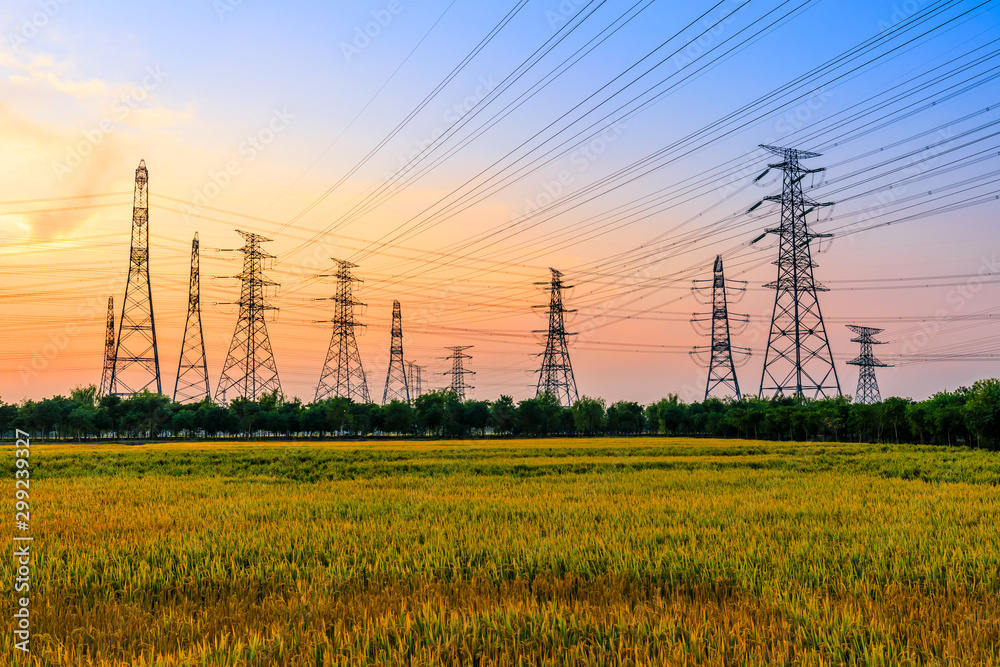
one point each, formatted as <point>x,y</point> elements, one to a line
<point>627,551</point>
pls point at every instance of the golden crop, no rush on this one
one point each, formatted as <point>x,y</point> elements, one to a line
<point>645,551</point>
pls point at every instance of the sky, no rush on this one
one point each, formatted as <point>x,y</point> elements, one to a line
<point>456,150</point>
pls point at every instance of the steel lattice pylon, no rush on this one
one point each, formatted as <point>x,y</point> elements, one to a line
<point>556,373</point>
<point>109,349</point>
<point>721,370</point>
<point>458,370</point>
<point>136,365</point>
<point>343,374</point>
<point>414,379</point>
<point>867,384</point>
<point>396,385</point>
<point>798,359</point>
<point>250,369</point>
<point>192,367</point>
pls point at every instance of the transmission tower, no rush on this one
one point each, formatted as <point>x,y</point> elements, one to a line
<point>343,374</point>
<point>396,386</point>
<point>867,384</point>
<point>250,369</point>
<point>556,374</point>
<point>109,349</point>
<point>136,363</point>
<point>192,367</point>
<point>798,359</point>
<point>458,370</point>
<point>414,379</point>
<point>721,370</point>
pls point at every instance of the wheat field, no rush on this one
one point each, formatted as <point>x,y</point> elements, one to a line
<point>614,551</point>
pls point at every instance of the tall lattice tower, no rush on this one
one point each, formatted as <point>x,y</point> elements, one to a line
<point>414,379</point>
<point>867,384</point>
<point>396,385</point>
<point>192,367</point>
<point>250,370</point>
<point>137,362</point>
<point>556,374</point>
<point>721,369</point>
<point>109,349</point>
<point>458,370</point>
<point>798,359</point>
<point>343,374</point>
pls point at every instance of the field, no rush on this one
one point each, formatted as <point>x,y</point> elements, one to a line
<point>638,551</point>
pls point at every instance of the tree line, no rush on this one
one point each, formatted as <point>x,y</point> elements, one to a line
<point>968,416</point>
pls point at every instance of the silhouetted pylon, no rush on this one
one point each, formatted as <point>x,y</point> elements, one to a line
<point>250,369</point>
<point>396,386</point>
<point>109,349</point>
<point>414,379</point>
<point>867,384</point>
<point>343,374</point>
<point>137,363</point>
<point>458,370</point>
<point>721,370</point>
<point>192,367</point>
<point>556,373</point>
<point>798,360</point>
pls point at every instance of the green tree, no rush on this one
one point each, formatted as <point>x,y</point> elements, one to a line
<point>626,417</point>
<point>398,417</point>
<point>503,415</point>
<point>982,412</point>
<point>589,415</point>
<point>477,415</point>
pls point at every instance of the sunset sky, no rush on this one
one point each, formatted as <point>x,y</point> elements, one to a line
<point>284,118</point>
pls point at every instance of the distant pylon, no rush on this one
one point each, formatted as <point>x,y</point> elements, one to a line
<point>867,384</point>
<point>798,359</point>
<point>458,370</point>
<point>109,349</point>
<point>414,379</point>
<point>343,374</point>
<point>556,374</point>
<point>396,386</point>
<point>250,370</point>
<point>192,367</point>
<point>137,363</point>
<point>721,370</point>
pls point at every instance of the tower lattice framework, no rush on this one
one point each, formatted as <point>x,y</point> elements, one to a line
<point>867,362</point>
<point>798,359</point>
<point>459,371</point>
<point>136,363</point>
<point>343,373</point>
<point>192,367</point>
<point>109,349</point>
<point>250,369</point>
<point>556,373</point>
<point>721,369</point>
<point>414,379</point>
<point>396,385</point>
